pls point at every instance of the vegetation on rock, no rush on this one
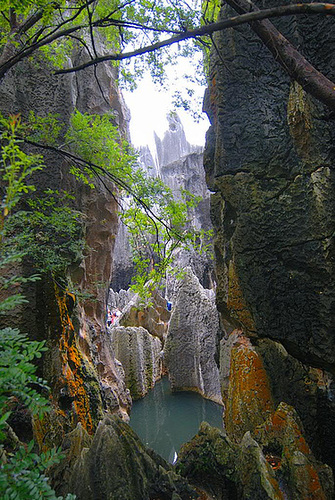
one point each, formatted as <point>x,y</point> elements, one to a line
<point>22,469</point>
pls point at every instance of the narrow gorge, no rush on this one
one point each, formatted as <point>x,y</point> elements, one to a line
<point>193,359</point>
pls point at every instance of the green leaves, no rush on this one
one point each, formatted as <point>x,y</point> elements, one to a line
<point>16,166</point>
<point>21,473</point>
<point>17,373</point>
<point>96,139</point>
<point>50,232</point>
<point>155,239</point>
<point>22,476</point>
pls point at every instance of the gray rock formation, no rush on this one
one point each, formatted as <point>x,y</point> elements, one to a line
<point>174,144</point>
<point>153,317</point>
<point>123,266</point>
<point>79,366</point>
<point>121,299</point>
<point>191,343</point>
<point>270,161</point>
<point>141,357</point>
<point>118,466</point>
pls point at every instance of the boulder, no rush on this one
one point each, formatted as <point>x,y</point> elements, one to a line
<point>273,463</point>
<point>191,343</point>
<point>141,357</point>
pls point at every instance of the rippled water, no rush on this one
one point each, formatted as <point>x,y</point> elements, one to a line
<point>165,420</point>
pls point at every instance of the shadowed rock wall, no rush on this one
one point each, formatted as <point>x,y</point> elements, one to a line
<point>270,160</point>
<point>79,364</point>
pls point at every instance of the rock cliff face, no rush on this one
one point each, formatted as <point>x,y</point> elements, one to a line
<point>270,160</point>
<point>140,356</point>
<point>78,365</point>
<point>190,347</point>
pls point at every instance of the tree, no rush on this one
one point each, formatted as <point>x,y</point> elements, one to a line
<point>39,25</point>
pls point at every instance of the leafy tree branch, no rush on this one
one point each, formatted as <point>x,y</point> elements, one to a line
<point>325,9</point>
<point>119,23</point>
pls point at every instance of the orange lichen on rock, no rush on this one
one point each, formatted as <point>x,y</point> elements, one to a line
<point>49,430</point>
<point>283,430</point>
<point>249,397</point>
<point>236,303</point>
<point>72,365</point>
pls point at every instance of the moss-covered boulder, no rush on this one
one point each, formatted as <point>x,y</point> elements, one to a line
<point>273,463</point>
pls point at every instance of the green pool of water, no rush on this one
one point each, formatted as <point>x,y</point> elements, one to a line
<point>165,420</point>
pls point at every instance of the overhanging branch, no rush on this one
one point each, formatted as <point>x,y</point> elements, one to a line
<point>310,8</point>
<point>99,171</point>
<point>293,62</point>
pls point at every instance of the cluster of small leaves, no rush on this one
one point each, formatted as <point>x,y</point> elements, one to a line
<point>16,166</point>
<point>22,472</point>
<point>42,129</point>
<point>22,476</point>
<point>50,232</point>
<point>97,140</point>
<point>56,29</point>
<point>18,377</point>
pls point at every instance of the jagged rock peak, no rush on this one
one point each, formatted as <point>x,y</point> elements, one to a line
<point>172,147</point>
<point>174,144</point>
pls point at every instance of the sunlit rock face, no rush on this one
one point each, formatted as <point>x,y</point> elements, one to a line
<point>191,343</point>
<point>79,364</point>
<point>140,354</point>
<point>270,160</point>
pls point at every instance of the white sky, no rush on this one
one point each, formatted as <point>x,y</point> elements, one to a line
<point>149,107</point>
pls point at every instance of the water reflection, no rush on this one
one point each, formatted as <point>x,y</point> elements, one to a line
<point>165,420</point>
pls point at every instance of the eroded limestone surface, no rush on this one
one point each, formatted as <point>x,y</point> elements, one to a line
<point>269,160</point>
<point>140,354</point>
<point>118,466</point>
<point>191,343</point>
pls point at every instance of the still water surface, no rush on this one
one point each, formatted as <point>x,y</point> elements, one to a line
<point>165,420</point>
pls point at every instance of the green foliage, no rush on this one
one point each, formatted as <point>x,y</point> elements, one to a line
<point>96,139</point>
<point>56,29</point>
<point>22,476</point>
<point>21,473</point>
<point>50,232</point>
<point>44,129</point>
<point>210,10</point>
<point>16,166</point>
<point>18,377</point>
<point>155,239</point>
